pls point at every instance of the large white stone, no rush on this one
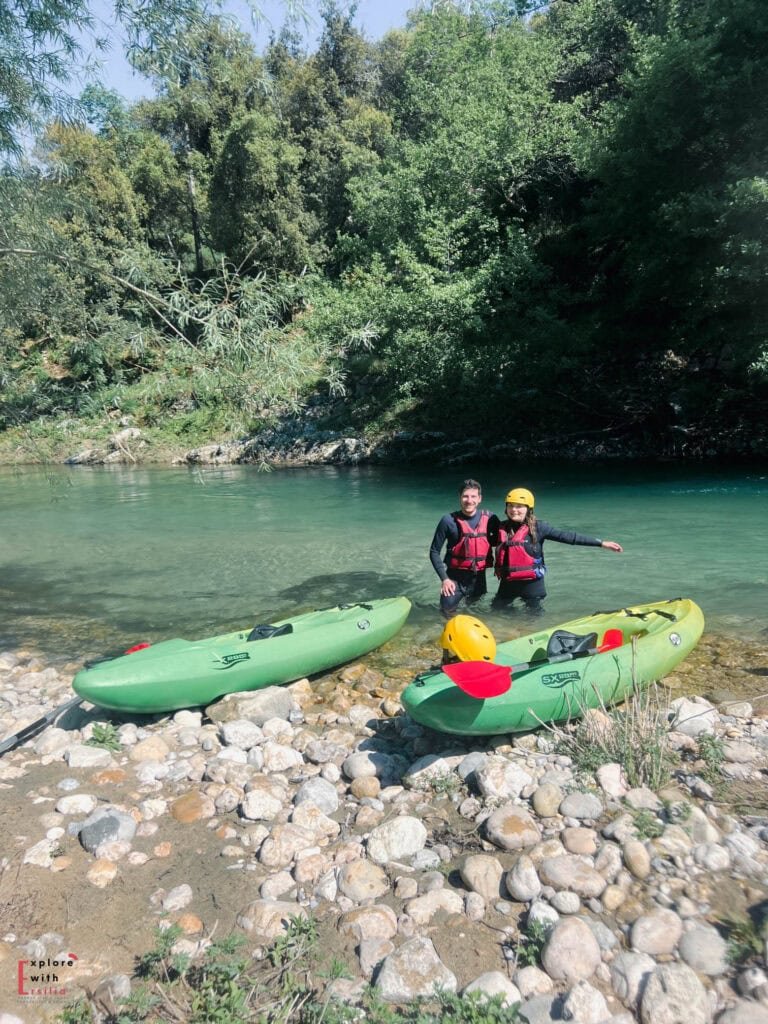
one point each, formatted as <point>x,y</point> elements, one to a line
<point>412,971</point>
<point>258,707</point>
<point>500,779</point>
<point>657,932</point>
<point>532,981</point>
<point>364,763</point>
<point>522,880</point>
<point>512,828</point>
<point>612,780</point>
<point>693,716</point>
<point>319,792</point>
<point>544,915</point>
<point>52,741</point>
<point>241,733</point>
<point>284,842</point>
<point>277,885</point>
<point>428,769</point>
<point>585,1005</point>
<point>744,1012</point>
<point>705,950</point>
<point>629,974</point>
<point>712,857</point>
<point>261,803</point>
<point>482,873</point>
<point>573,873</point>
<point>361,880</point>
<point>269,918</point>
<point>397,839</point>
<point>365,923</point>
<point>423,908</point>
<point>494,983</point>
<point>178,898</point>
<point>674,995</point>
<point>80,756</point>
<point>153,748</point>
<point>76,803</point>
<point>582,806</point>
<point>571,953</point>
<point>312,818</point>
<point>41,854</point>
<point>280,758</point>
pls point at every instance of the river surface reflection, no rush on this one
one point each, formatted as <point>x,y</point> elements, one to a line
<point>94,558</point>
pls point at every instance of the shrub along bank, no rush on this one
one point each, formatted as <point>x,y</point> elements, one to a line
<point>522,227</point>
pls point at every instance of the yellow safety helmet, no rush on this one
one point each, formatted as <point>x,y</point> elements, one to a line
<point>519,496</point>
<point>468,639</point>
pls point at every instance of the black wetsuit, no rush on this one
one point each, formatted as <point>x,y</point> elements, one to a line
<point>533,592</point>
<point>470,586</point>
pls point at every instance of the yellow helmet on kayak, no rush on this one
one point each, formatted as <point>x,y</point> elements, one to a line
<point>519,496</point>
<point>468,639</point>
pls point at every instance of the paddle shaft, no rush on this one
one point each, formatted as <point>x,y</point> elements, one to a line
<point>556,659</point>
<point>29,730</point>
<point>481,679</point>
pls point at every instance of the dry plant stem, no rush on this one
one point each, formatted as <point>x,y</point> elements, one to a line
<point>635,737</point>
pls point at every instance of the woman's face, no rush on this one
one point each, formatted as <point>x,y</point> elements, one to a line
<point>516,513</point>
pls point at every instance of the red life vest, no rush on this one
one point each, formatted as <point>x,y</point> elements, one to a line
<point>472,551</point>
<point>512,560</point>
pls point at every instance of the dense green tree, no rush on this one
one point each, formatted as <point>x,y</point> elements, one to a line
<point>328,103</point>
<point>76,222</point>
<point>436,254</point>
<point>39,47</point>
<point>44,46</point>
<point>257,215</point>
<point>667,258</point>
<point>520,221</point>
<point>215,76</point>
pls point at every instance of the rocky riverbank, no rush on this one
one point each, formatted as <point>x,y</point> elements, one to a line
<point>424,862</point>
<point>304,441</point>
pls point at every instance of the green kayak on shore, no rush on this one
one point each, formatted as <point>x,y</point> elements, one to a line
<point>178,674</point>
<point>653,639</point>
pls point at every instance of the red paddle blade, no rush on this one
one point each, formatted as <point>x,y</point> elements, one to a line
<point>136,647</point>
<point>612,638</point>
<point>480,678</point>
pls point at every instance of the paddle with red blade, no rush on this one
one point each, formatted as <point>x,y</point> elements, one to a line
<point>482,679</point>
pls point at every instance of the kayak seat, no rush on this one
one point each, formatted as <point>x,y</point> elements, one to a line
<point>563,642</point>
<point>265,631</point>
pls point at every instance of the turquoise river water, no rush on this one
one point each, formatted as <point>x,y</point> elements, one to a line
<point>97,559</point>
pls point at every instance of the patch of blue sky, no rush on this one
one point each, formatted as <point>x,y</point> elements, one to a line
<point>111,69</point>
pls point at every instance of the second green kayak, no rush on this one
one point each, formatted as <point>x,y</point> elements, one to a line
<point>178,674</point>
<point>653,639</point>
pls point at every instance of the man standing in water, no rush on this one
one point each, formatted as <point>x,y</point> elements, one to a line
<point>468,553</point>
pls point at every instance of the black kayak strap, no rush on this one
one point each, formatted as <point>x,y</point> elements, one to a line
<point>642,615</point>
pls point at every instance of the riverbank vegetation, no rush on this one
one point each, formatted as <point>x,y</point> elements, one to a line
<point>501,221</point>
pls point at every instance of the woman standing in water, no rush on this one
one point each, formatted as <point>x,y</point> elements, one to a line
<point>519,556</point>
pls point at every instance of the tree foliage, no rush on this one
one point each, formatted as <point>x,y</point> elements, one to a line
<point>517,221</point>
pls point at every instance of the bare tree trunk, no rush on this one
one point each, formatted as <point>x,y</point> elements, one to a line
<point>195,221</point>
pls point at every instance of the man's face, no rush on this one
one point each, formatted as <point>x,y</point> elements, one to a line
<point>470,499</point>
